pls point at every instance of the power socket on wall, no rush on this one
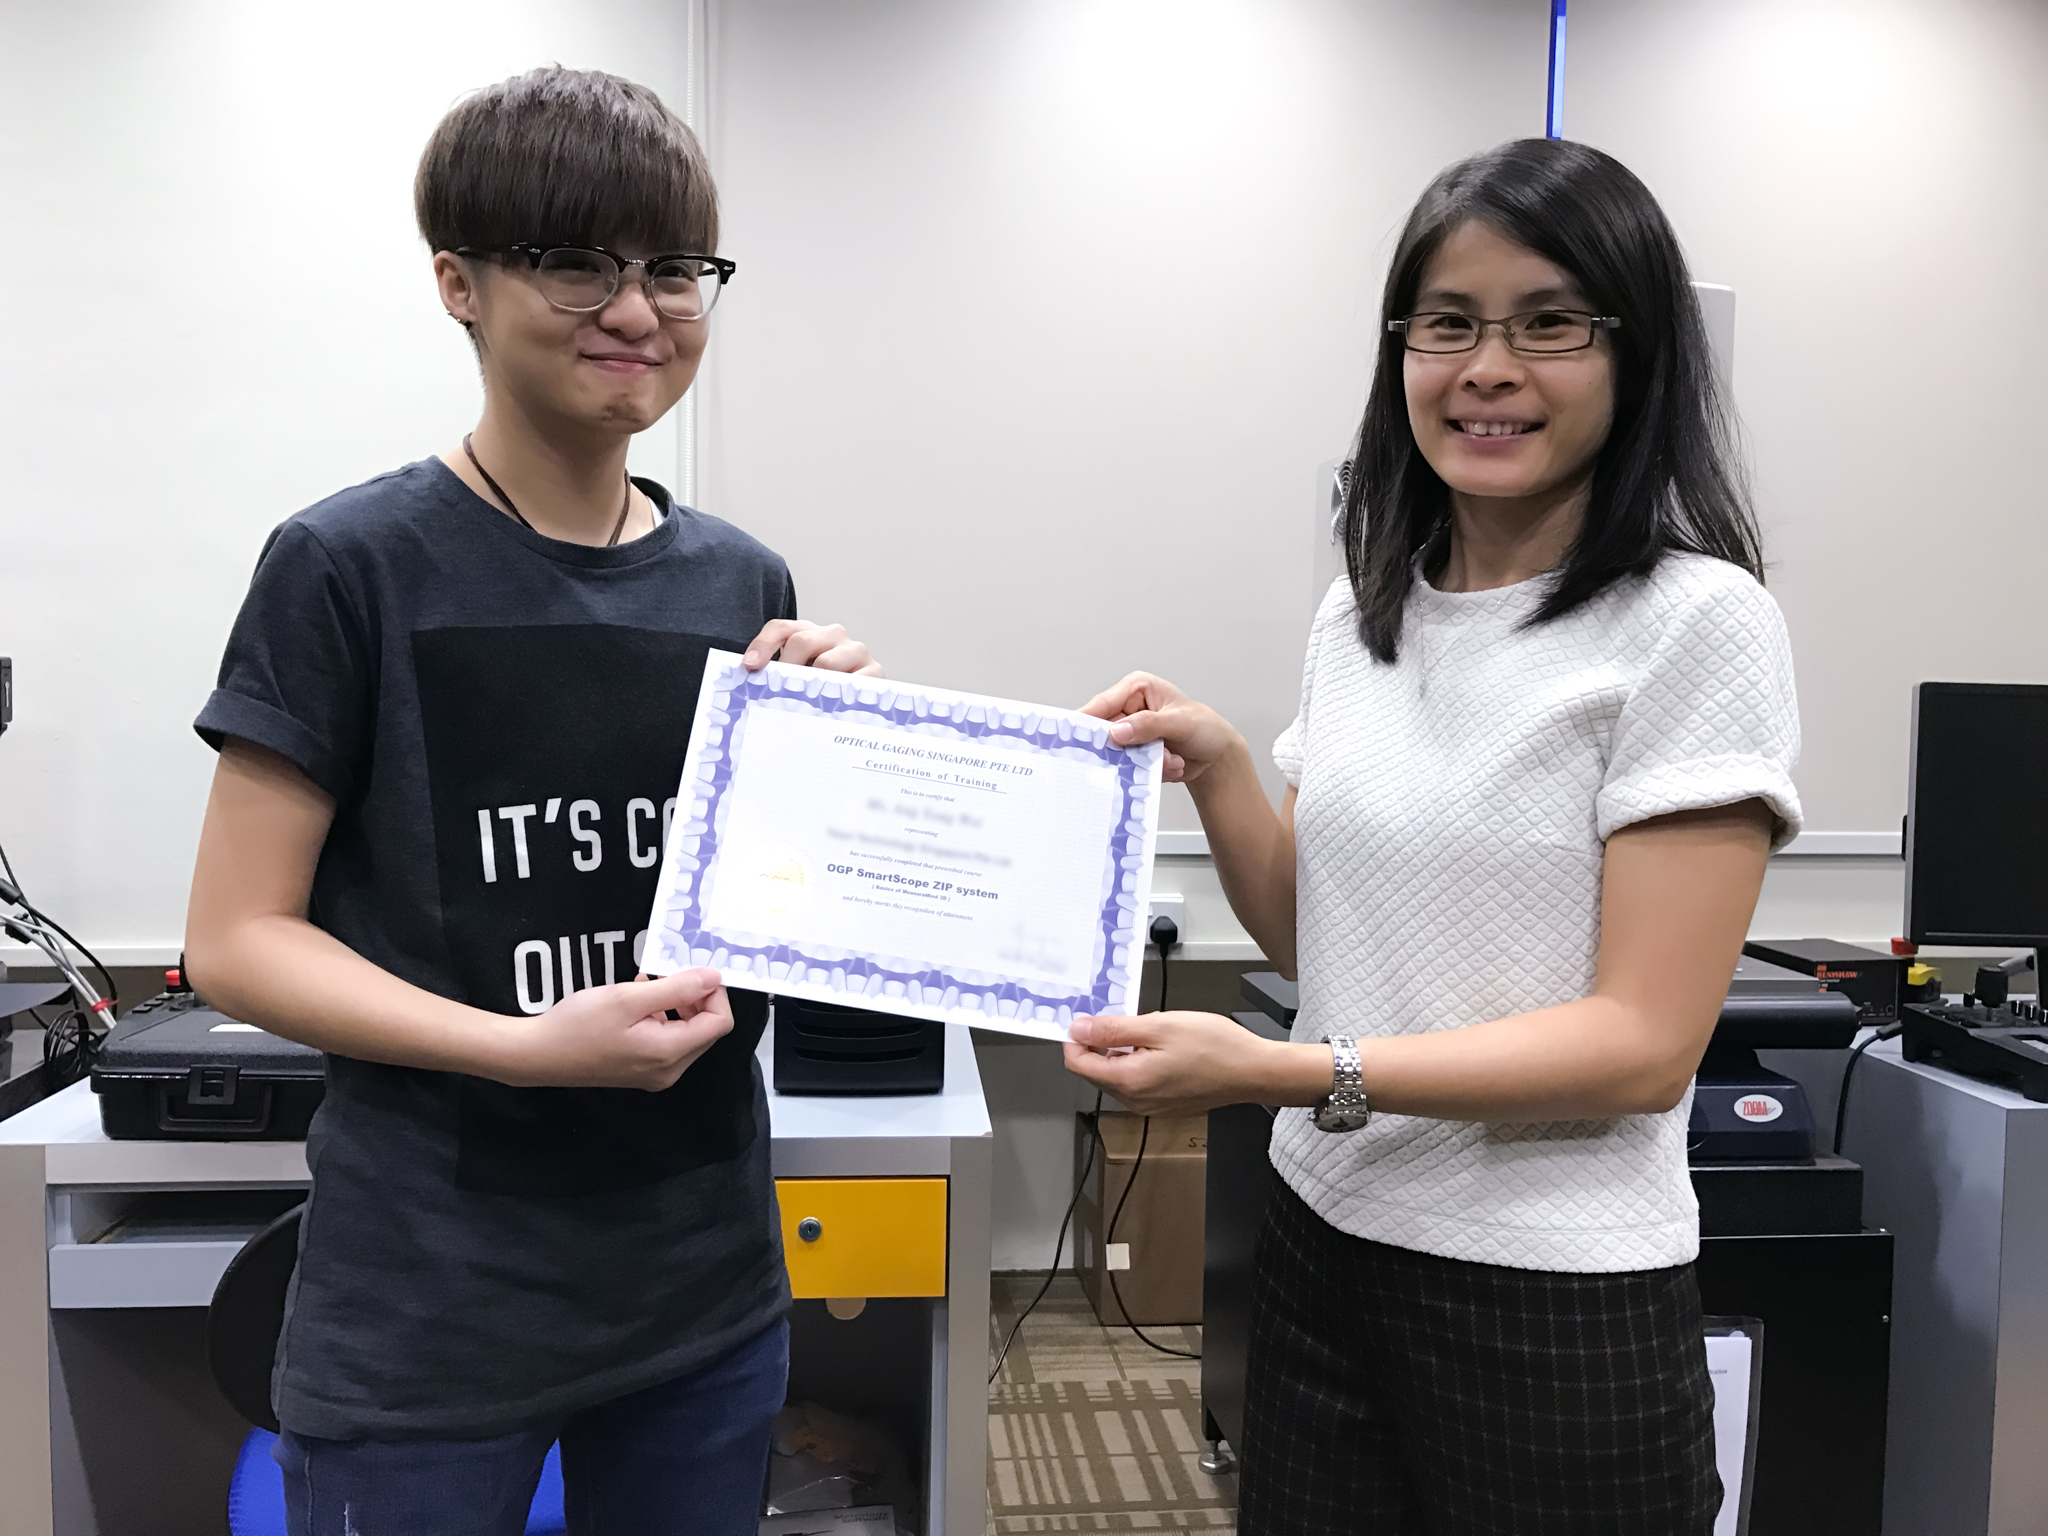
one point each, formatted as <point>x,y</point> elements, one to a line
<point>1170,905</point>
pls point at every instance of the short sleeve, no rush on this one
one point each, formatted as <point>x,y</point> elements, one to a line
<point>1290,754</point>
<point>1713,718</point>
<point>1290,748</point>
<point>297,674</point>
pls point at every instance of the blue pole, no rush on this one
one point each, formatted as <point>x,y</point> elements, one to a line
<point>1553,112</point>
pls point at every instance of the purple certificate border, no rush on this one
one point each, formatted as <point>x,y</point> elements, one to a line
<point>734,689</point>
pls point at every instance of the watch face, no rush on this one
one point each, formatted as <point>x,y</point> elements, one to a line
<point>1331,1118</point>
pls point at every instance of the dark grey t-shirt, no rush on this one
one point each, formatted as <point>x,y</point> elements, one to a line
<point>501,720</point>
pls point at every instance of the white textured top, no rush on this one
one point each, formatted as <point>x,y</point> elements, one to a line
<point>1450,827</point>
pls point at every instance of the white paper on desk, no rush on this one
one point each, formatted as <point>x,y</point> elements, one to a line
<point>919,851</point>
<point>1730,1359</point>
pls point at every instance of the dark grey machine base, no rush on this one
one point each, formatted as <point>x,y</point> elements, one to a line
<point>1825,1301</point>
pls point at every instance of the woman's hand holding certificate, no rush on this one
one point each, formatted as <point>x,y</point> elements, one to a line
<point>913,850</point>
<point>1144,708</point>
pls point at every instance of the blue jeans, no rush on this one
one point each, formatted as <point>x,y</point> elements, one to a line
<point>685,1458</point>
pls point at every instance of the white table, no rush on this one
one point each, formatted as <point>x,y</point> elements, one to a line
<point>91,1255</point>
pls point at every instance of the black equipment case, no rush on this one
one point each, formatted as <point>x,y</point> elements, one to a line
<point>174,1069</point>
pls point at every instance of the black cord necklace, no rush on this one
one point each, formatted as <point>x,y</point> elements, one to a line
<point>499,491</point>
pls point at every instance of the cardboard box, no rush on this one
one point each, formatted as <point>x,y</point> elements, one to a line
<point>1157,1255</point>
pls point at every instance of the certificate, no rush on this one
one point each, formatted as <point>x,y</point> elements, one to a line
<point>912,850</point>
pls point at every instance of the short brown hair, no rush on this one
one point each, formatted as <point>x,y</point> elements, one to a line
<point>566,157</point>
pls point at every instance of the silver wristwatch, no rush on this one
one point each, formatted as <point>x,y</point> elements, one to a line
<point>1345,1109</point>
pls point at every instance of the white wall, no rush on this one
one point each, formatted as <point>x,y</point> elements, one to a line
<point>1048,310</point>
<point>220,312</point>
<point>1868,175</point>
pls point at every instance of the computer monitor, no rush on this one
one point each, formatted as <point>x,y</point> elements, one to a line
<point>1977,815</point>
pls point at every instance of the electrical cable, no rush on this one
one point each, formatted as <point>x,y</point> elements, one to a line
<point>1172,932</point>
<point>33,933</point>
<point>112,994</point>
<point>1848,1070</point>
<point>12,892</point>
<point>34,930</point>
<point>70,1042</point>
<point>69,1047</point>
<point>1060,1242</point>
<point>1165,933</point>
<point>1144,1134</point>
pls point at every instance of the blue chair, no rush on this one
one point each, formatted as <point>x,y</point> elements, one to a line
<point>256,1492</point>
<point>242,1325</point>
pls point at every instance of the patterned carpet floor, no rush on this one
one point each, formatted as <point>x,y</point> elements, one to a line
<point>1090,1430</point>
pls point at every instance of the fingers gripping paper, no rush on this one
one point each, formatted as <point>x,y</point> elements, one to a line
<point>935,854</point>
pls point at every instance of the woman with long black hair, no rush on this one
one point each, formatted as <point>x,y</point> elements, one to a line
<point>1544,750</point>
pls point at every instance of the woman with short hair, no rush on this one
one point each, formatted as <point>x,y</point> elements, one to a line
<point>1544,749</point>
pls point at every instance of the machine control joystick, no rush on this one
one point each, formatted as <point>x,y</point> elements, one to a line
<point>1991,986</point>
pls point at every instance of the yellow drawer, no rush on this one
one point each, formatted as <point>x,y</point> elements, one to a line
<point>872,1237</point>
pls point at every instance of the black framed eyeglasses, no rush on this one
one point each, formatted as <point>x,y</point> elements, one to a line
<point>582,278</point>
<point>1541,331</point>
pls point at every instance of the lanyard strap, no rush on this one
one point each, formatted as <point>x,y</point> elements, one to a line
<point>499,491</point>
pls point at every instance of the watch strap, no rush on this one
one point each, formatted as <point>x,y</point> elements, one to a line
<point>1345,1109</point>
<point>1346,1082</point>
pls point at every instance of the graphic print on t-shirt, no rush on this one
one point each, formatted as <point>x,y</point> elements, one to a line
<point>553,754</point>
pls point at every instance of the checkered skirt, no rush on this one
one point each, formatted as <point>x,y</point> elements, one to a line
<point>1392,1392</point>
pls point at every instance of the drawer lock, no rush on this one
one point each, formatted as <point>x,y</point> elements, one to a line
<point>810,1229</point>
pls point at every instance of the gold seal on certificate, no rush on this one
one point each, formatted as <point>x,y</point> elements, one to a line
<point>914,850</point>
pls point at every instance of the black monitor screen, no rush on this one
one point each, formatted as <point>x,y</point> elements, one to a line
<point>1977,822</point>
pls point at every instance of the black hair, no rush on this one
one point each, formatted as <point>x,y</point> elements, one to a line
<point>1667,476</point>
<point>568,157</point>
